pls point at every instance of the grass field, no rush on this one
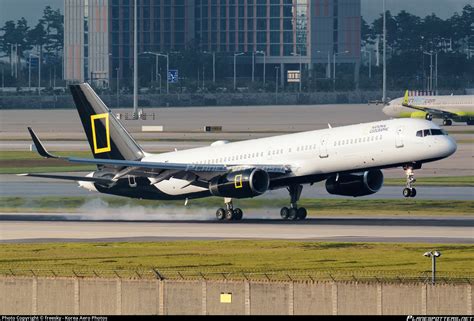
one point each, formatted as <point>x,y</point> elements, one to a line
<point>315,207</point>
<point>17,162</point>
<point>294,257</point>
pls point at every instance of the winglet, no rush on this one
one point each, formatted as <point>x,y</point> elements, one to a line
<point>39,145</point>
<point>405,99</point>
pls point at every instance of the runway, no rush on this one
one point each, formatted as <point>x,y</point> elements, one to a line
<point>61,227</point>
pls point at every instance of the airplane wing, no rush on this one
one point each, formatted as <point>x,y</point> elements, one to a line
<point>432,111</point>
<point>158,170</point>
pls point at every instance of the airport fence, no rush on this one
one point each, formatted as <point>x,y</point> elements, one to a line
<point>270,276</point>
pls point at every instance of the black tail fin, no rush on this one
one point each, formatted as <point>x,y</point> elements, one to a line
<point>107,137</point>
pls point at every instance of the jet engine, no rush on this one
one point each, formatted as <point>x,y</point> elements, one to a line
<point>240,184</point>
<point>355,184</point>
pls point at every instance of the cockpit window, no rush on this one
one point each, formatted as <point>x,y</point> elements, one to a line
<point>431,132</point>
<point>437,132</point>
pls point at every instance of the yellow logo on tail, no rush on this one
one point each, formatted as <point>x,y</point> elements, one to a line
<point>107,133</point>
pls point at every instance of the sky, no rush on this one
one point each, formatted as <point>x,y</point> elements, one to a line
<point>32,9</point>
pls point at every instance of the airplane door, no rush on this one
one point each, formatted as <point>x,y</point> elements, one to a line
<point>399,137</point>
<point>323,147</point>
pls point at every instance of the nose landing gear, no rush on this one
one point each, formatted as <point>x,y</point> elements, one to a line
<point>294,213</point>
<point>409,190</point>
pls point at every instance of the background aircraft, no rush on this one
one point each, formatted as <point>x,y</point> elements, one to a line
<point>449,108</point>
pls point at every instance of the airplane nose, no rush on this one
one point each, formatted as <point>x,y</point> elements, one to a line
<point>450,146</point>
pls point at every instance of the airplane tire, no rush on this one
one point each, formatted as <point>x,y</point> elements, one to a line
<point>238,214</point>
<point>284,212</point>
<point>447,122</point>
<point>413,192</point>
<point>292,214</point>
<point>229,215</point>
<point>302,213</point>
<point>220,214</point>
<point>406,192</point>
<point>429,117</point>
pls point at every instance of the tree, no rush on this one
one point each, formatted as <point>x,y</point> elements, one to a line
<point>37,35</point>
<point>15,34</point>
<point>408,37</point>
<point>54,22</point>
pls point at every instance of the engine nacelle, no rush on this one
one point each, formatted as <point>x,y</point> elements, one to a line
<point>355,184</point>
<point>240,184</point>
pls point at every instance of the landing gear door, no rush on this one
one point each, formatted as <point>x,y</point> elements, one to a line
<point>323,147</point>
<point>399,138</point>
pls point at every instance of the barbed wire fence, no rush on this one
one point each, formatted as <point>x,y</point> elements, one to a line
<point>269,276</point>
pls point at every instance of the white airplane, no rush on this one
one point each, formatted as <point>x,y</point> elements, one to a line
<point>448,108</point>
<point>349,158</point>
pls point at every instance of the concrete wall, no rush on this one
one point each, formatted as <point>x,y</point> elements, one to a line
<point>119,296</point>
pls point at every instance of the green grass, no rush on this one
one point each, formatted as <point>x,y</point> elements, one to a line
<point>23,155</point>
<point>466,181</point>
<point>46,169</point>
<point>293,257</point>
<point>315,207</point>
<point>17,162</point>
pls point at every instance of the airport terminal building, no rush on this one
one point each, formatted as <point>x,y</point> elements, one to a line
<point>98,41</point>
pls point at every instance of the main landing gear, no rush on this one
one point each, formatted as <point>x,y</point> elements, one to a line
<point>294,213</point>
<point>447,122</point>
<point>429,117</point>
<point>409,190</point>
<point>230,213</point>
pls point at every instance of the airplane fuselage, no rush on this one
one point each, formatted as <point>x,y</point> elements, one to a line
<point>312,156</point>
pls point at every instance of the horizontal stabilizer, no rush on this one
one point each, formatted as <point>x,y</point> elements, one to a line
<point>39,145</point>
<point>71,178</point>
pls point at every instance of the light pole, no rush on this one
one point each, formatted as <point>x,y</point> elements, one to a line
<point>334,67</point>
<point>135,61</point>
<point>431,53</point>
<point>430,83</point>
<point>264,62</point>
<point>384,73</point>
<point>328,68</point>
<point>29,73</point>
<point>118,87</point>
<point>433,256</point>
<point>277,69</point>
<point>167,67</point>
<point>253,66</point>
<point>213,64</point>
<point>235,68</point>
<point>370,61</point>
<point>301,71</point>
